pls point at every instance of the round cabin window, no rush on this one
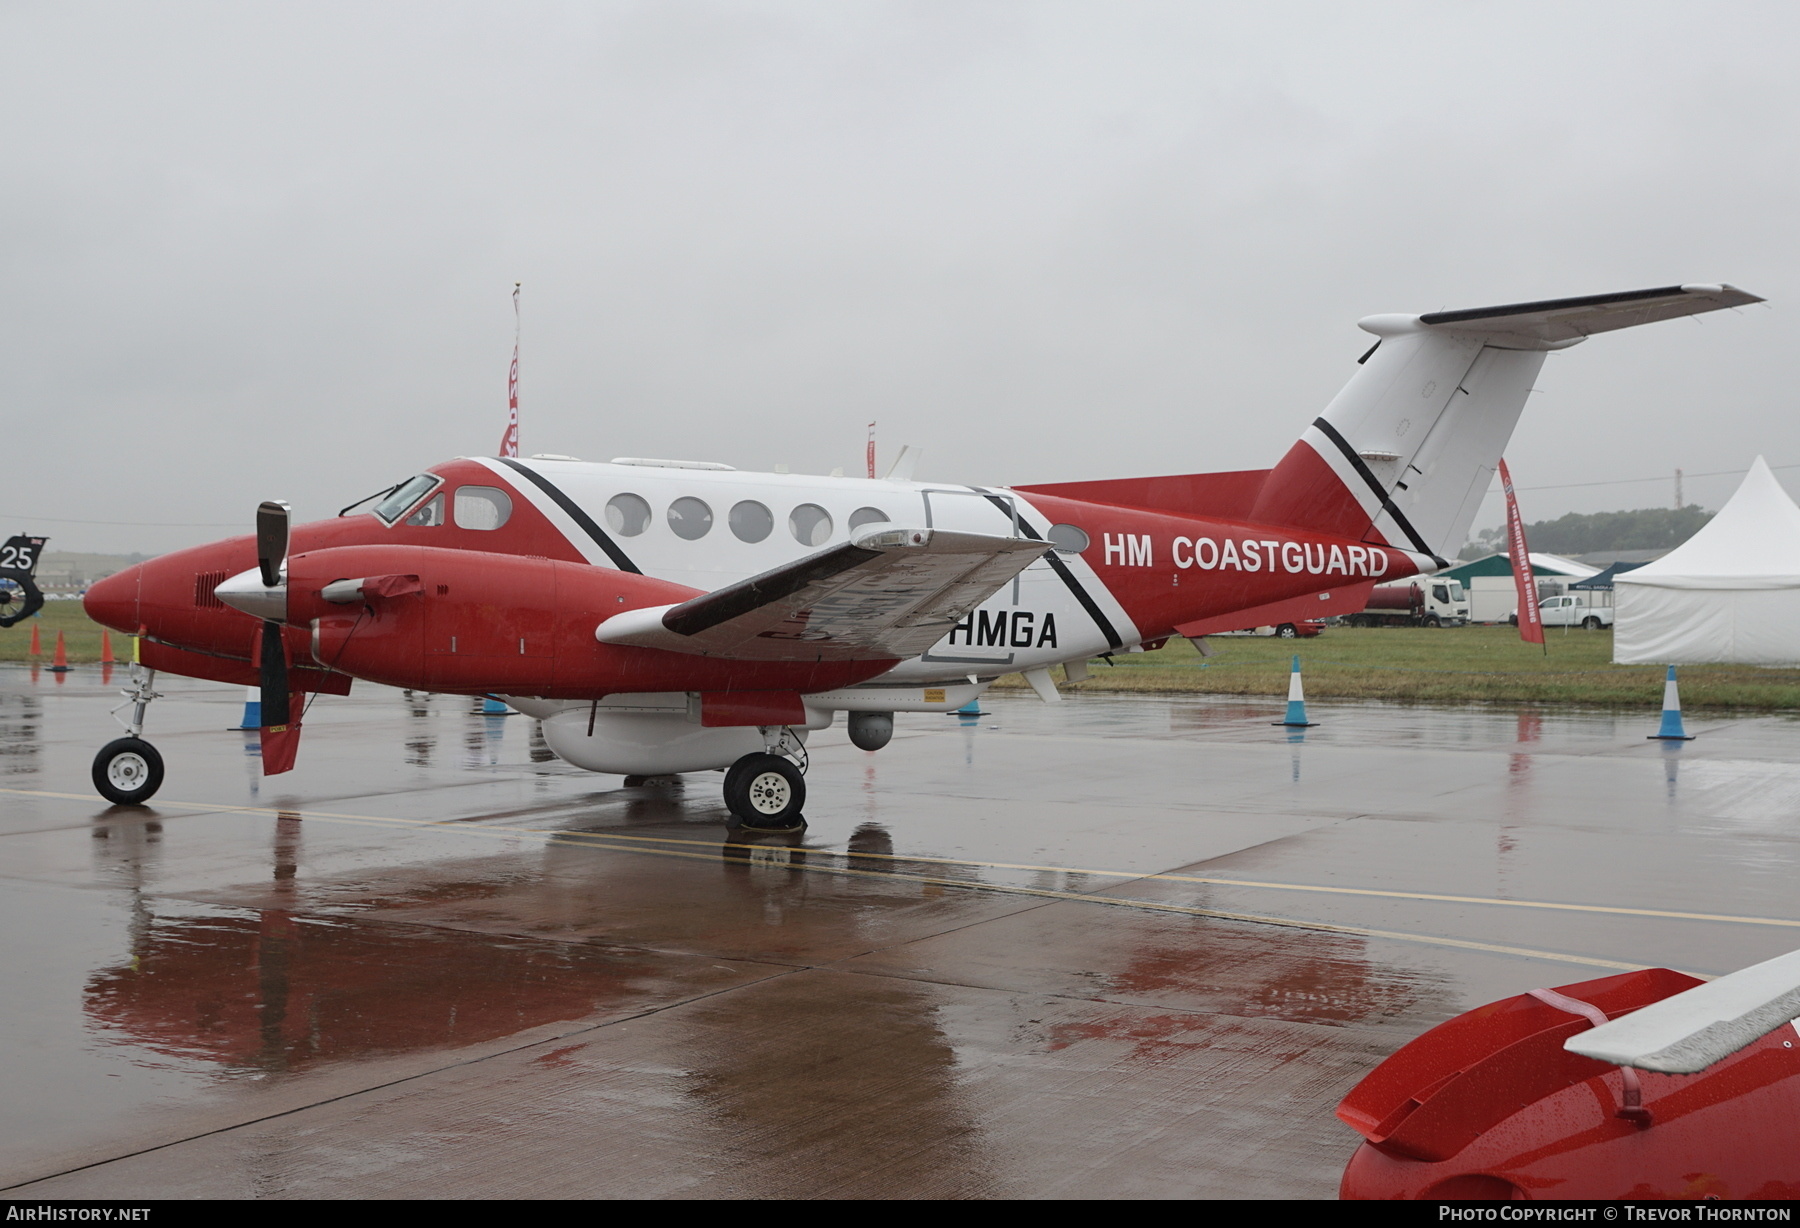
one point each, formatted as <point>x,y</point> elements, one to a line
<point>750,521</point>
<point>690,518</point>
<point>1068,539</point>
<point>866,515</point>
<point>810,524</point>
<point>627,515</point>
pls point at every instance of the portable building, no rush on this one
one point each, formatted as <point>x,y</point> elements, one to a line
<point>1489,582</point>
<point>1730,593</point>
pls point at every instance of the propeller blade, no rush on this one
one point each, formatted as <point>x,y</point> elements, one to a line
<point>271,540</point>
<point>280,732</point>
<point>274,677</point>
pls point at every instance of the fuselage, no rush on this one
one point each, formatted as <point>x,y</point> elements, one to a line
<point>522,560</point>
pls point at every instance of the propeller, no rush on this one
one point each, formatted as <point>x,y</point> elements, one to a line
<point>271,540</point>
<point>280,733</point>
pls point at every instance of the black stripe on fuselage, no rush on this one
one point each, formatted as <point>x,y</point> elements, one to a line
<point>1059,567</point>
<point>600,536</point>
<point>1343,445</point>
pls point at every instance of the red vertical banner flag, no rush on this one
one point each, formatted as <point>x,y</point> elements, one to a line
<point>1531,626</point>
<point>509,442</point>
<point>871,449</point>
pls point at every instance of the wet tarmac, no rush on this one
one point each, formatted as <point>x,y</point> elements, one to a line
<point>1118,947</point>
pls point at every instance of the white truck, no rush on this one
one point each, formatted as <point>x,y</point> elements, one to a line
<point>1573,610</point>
<point>1425,602</point>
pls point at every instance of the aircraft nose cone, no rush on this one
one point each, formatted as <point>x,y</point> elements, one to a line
<point>113,602</point>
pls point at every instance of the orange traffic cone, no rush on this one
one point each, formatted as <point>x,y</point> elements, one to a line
<point>37,644</point>
<point>106,657</point>
<point>60,665</point>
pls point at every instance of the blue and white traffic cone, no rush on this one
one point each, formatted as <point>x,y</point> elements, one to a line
<point>1296,709</point>
<point>972,708</point>
<point>493,707</point>
<point>1671,730</point>
<point>252,709</point>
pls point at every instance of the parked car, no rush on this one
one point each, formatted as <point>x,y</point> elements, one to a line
<point>1569,611</point>
<point>1304,629</point>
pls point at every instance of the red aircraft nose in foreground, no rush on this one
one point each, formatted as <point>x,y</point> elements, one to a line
<point>671,616</point>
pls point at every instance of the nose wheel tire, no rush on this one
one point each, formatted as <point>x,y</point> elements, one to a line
<point>766,793</point>
<point>128,771</point>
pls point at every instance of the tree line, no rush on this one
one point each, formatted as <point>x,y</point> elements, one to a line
<point>1646,528</point>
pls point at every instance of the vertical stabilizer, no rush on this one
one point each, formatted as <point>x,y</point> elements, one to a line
<point>1405,453</point>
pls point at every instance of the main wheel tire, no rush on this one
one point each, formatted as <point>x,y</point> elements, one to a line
<point>765,792</point>
<point>1590,623</point>
<point>1286,631</point>
<point>128,771</point>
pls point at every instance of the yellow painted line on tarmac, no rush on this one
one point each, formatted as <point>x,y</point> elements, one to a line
<point>592,839</point>
<point>463,825</point>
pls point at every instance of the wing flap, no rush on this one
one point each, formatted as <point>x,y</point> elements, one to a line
<point>890,594</point>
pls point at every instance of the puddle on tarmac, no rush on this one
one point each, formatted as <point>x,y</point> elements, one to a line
<point>266,991</point>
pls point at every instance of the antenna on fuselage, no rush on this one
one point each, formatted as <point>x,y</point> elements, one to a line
<point>904,464</point>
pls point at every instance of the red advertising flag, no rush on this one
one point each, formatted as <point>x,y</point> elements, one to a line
<point>871,449</point>
<point>1531,626</point>
<point>509,442</point>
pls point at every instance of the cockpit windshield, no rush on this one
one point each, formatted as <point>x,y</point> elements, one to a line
<point>405,495</point>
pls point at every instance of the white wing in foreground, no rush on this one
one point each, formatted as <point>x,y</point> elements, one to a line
<point>1688,1032</point>
<point>890,594</point>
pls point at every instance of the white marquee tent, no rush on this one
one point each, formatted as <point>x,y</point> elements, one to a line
<point>1729,594</point>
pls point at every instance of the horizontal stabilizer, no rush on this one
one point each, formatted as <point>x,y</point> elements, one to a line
<point>1688,1032</point>
<point>1571,319</point>
<point>889,594</point>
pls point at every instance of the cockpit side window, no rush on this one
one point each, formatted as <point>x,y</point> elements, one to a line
<point>430,513</point>
<point>408,493</point>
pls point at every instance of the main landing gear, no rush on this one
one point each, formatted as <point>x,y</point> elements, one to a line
<point>128,771</point>
<point>765,791</point>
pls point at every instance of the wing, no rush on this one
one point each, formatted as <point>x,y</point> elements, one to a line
<point>893,594</point>
<point>1693,1029</point>
<point>1571,319</point>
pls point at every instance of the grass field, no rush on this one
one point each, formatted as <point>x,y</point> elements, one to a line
<point>82,635</point>
<point>1443,665</point>
<point>1438,665</point>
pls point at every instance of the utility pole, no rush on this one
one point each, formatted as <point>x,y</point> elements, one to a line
<point>1678,490</point>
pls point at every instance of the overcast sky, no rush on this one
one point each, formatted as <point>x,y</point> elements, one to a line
<point>266,251</point>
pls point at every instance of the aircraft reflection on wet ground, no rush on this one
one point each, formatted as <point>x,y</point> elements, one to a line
<point>1118,947</point>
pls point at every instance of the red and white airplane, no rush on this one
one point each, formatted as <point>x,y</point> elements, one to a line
<point>674,616</point>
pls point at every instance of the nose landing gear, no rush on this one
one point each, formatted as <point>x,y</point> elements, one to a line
<point>128,771</point>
